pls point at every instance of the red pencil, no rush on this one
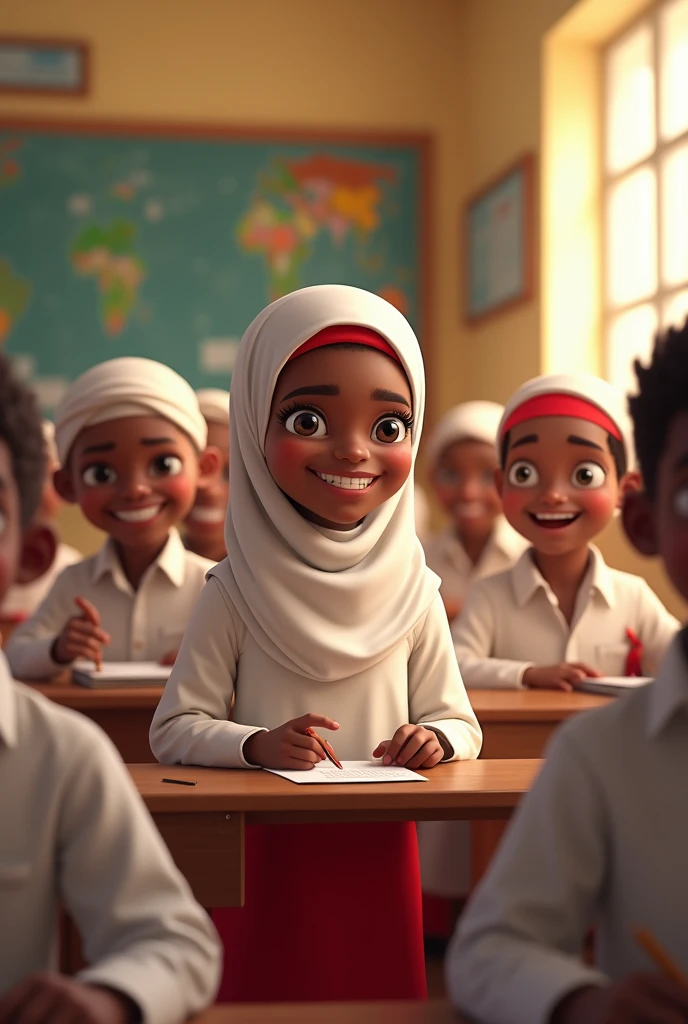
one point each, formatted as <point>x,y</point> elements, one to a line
<point>329,752</point>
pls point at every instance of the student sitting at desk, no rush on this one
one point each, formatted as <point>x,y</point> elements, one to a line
<point>602,838</point>
<point>132,446</point>
<point>561,614</point>
<point>204,527</point>
<point>72,827</point>
<point>478,541</point>
<point>323,614</point>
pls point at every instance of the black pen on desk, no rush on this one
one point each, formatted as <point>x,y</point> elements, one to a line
<point>180,782</point>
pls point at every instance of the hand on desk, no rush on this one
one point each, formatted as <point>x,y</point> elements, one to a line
<point>51,998</point>
<point>638,999</point>
<point>288,746</point>
<point>82,636</point>
<point>565,676</point>
<point>412,746</point>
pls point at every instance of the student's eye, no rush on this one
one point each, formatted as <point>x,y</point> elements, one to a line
<point>588,476</point>
<point>166,465</point>
<point>390,430</point>
<point>306,423</point>
<point>99,475</point>
<point>680,502</point>
<point>448,477</point>
<point>523,474</point>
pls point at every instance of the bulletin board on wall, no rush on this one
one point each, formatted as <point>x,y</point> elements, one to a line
<point>165,241</point>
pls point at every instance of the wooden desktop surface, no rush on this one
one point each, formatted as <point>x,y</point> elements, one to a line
<point>382,1012</point>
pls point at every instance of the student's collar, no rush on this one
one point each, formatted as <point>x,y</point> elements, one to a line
<point>8,705</point>
<point>669,692</point>
<point>171,560</point>
<point>527,579</point>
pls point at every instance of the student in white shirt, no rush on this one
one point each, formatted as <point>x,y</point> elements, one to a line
<point>561,614</point>
<point>204,526</point>
<point>601,839</point>
<point>23,599</point>
<point>323,614</point>
<point>478,542</point>
<point>132,446</point>
<point>73,830</point>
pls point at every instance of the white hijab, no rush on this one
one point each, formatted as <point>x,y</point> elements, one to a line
<point>324,604</point>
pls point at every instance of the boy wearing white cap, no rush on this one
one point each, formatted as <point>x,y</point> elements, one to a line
<point>479,542</point>
<point>132,446</point>
<point>205,523</point>
<point>561,614</point>
<point>22,599</point>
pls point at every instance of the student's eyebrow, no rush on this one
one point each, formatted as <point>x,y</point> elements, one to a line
<point>528,439</point>
<point>583,442</point>
<point>107,446</point>
<point>152,441</point>
<point>313,389</point>
<point>383,395</point>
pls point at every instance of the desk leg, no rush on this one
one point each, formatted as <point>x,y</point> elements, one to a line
<point>208,849</point>
<point>485,838</point>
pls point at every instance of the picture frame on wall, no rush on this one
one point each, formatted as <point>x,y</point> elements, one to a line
<point>498,239</point>
<point>53,67</point>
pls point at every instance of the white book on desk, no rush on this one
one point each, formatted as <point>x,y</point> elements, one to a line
<point>613,686</point>
<point>355,772</point>
<point>115,674</point>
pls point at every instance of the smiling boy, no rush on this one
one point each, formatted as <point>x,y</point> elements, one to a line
<point>132,446</point>
<point>73,830</point>
<point>561,614</point>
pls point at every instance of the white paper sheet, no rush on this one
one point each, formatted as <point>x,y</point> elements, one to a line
<point>352,771</point>
<point>611,686</point>
<point>119,673</point>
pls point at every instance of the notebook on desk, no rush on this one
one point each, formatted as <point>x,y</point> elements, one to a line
<point>613,686</point>
<point>115,674</point>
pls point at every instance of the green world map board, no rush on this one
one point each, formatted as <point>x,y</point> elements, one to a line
<point>166,243</point>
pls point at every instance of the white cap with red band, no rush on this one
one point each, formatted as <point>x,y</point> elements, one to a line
<point>571,394</point>
<point>470,421</point>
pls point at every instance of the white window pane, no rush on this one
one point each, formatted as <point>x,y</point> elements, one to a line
<point>674,197</point>
<point>675,310</point>
<point>631,336</point>
<point>630,83</point>
<point>632,238</point>
<point>673,41</point>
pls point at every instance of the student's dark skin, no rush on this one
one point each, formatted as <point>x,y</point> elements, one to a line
<point>46,997</point>
<point>655,526</point>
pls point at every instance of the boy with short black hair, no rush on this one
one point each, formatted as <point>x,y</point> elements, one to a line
<point>132,447</point>
<point>73,829</point>
<point>561,614</point>
<point>601,839</point>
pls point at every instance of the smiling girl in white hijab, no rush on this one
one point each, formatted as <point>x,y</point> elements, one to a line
<point>325,614</point>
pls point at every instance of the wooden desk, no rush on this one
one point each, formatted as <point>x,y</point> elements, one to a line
<point>381,1012</point>
<point>124,714</point>
<point>519,723</point>
<point>204,825</point>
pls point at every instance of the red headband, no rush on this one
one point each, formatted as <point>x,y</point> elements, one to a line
<point>561,405</point>
<point>343,333</point>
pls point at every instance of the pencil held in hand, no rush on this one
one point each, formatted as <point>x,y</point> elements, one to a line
<point>329,752</point>
<point>659,956</point>
<point>90,614</point>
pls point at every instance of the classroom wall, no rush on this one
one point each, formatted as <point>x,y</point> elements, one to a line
<point>362,64</point>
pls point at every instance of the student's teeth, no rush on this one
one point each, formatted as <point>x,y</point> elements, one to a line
<point>139,515</point>
<point>354,483</point>
<point>555,516</point>
<point>207,515</point>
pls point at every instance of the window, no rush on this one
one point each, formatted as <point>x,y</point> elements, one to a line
<point>645,186</point>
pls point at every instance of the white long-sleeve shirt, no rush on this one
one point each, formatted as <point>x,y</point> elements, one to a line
<point>513,621</point>
<point>418,682</point>
<point>144,624</point>
<point>602,838</point>
<point>73,830</point>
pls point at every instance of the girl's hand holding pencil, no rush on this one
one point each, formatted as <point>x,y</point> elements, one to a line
<point>82,636</point>
<point>294,745</point>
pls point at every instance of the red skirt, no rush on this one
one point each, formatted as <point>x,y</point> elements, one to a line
<point>332,912</point>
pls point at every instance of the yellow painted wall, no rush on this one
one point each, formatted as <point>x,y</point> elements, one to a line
<point>387,64</point>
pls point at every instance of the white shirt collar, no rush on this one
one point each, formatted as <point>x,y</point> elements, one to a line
<point>669,692</point>
<point>503,539</point>
<point>527,579</point>
<point>171,560</point>
<point>8,705</point>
